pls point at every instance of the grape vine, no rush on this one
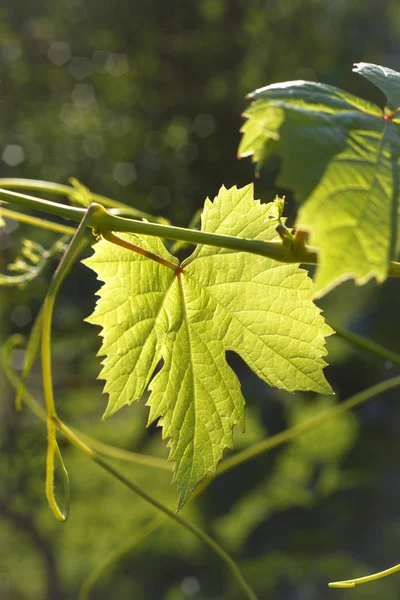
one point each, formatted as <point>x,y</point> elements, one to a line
<point>166,324</point>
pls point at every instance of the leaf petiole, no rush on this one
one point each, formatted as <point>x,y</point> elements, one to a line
<point>114,239</point>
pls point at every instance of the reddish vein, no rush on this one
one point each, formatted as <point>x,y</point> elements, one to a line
<point>114,239</point>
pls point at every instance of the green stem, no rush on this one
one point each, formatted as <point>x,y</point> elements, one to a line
<point>37,185</point>
<point>62,270</point>
<point>296,430</point>
<point>12,342</point>
<point>201,535</point>
<point>76,244</point>
<point>102,448</point>
<point>123,549</point>
<point>68,191</point>
<point>350,583</point>
<point>367,345</point>
<point>103,221</point>
<point>53,208</point>
<point>35,222</point>
<point>127,455</point>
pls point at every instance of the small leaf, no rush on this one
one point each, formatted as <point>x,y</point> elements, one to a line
<point>80,195</point>
<point>189,317</point>
<point>387,80</point>
<point>341,157</point>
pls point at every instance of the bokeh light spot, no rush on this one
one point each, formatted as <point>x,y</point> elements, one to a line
<point>59,53</point>
<point>190,586</point>
<point>21,315</point>
<point>82,95</point>
<point>11,50</point>
<point>13,155</point>
<point>117,64</point>
<point>124,173</point>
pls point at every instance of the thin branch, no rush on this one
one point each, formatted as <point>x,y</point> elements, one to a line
<point>350,583</point>
<point>296,430</point>
<point>103,221</point>
<point>35,222</point>
<point>69,191</point>
<point>367,345</point>
<point>201,535</point>
<point>100,447</point>
<point>114,556</point>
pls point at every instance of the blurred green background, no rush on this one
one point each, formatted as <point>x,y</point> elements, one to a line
<point>141,101</point>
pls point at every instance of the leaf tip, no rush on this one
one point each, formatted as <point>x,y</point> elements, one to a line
<point>183,498</point>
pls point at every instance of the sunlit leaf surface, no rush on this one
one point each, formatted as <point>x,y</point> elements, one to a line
<point>188,316</point>
<point>341,157</point>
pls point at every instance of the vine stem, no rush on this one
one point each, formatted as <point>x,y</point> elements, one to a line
<point>75,246</point>
<point>35,222</point>
<point>68,191</point>
<point>350,583</point>
<point>296,430</point>
<point>114,556</point>
<point>37,409</point>
<point>367,345</point>
<point>104,221</point>
<point>201,535</point>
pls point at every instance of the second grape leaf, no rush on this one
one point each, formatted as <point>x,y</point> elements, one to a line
<point>341,158</point>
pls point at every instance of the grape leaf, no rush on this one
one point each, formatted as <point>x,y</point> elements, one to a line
<point>188,316</point>
<point>341,157</point>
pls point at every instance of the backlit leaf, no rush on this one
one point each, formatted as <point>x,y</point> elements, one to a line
<point>341,157</point>
<point>188,316</point>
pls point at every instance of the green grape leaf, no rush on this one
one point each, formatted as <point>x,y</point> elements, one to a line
<point>189,315</point>
<point>341,157</point>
